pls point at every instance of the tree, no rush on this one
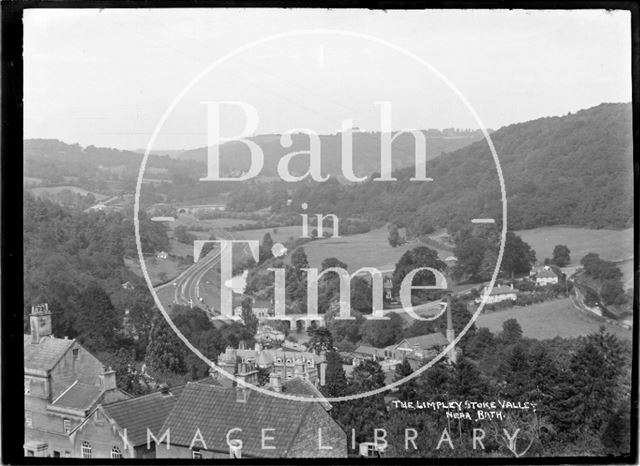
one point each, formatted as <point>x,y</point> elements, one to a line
<point>482,342</point>
<point>470,252</point>
<point>612,292</point>
<point>181,234</point>
<point>165,353</point>
<point>265,248</point>
<point>335,378</point>
<point>97,320</point>
<point>248,317</point>
<point>381,333</point>
<point>321,340</point>
<point>561,255</point>
<point>421,256</point>
<point>511,332</point>
<point>518,256</point>
<point>406,391</point>
<point>394,236</point>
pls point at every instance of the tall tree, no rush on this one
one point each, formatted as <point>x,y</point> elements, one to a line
<point>421,256</point>
<point>248,317</point>
<point>406,391</point>
<point>561,255</point>
<point>335,379</point>
<point>165,353</point>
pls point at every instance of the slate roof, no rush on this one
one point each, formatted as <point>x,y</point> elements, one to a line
<point>44,355</point>
<point>503,289</point>
<point>80,396</point>
<point>214,410</point>
<point>138,414</point>
<point>302,387</point>
<point>546,273</point>
<point>428,341</point>
<point>364,349</point>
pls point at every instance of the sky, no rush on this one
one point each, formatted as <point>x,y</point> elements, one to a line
<point>108,77</point>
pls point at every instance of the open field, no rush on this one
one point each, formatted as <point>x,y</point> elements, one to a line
<point>550,319</point>
<point>370,249</point>
<point>220,223</point>
<point>614,245</point>
<point>160,270</point>
<point>282,235</point>
<point>37,192</point>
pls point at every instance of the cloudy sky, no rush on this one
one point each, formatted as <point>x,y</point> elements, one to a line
<point>107,77</point>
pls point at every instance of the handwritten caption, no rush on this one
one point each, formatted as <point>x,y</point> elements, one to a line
<point>471,410</point>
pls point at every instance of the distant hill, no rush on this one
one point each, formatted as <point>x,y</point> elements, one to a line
<point>570,170</point>
<point>235,157</point>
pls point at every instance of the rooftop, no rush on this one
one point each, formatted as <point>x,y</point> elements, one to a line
<point>428,341</point>
<point>138,414</point>
<point>215,411</point>
<point>43,356</point>
<point>79,396</point>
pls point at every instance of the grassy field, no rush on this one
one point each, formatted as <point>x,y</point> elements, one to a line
<point>216,223</point>
<point>614,245</point>
<point>282,235</point>
<point>370,249</point>
<point>56,189</point>
<point>159,269</point>
<point>548,320</point>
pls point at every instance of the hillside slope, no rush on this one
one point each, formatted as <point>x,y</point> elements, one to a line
<point>572,170</point>
<point>366,151</point>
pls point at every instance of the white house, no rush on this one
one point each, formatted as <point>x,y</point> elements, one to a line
<point>546,276</point>
<point>498,294</point>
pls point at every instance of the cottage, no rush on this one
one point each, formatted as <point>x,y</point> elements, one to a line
<point>498,294</point>
<point>546,276</point>
<point>422,347</point>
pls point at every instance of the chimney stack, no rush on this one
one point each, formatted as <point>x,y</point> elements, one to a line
<point>274,382</point>
<point>40,322</point>
<point>108,380</point>
<point>323,374</point>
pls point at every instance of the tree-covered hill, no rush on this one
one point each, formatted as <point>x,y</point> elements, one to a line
<point>575,170</point>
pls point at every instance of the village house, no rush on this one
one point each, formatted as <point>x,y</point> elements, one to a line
<point>419,348</point>
<point>498,294</point>
<point>119,429</point>
<point>224,422</point>
<point>546,276</point>
<point>63,383</point>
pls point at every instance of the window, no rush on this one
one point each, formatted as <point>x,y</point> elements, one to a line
<point>86,449</point>
<point>195,454</point>
<point>28,419</point>
<point>27,386</point>
<point>67,454</point>
<point>56,454</point>
<point>66,425</point>
<point>116,452</point>
<point>30,453</point>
